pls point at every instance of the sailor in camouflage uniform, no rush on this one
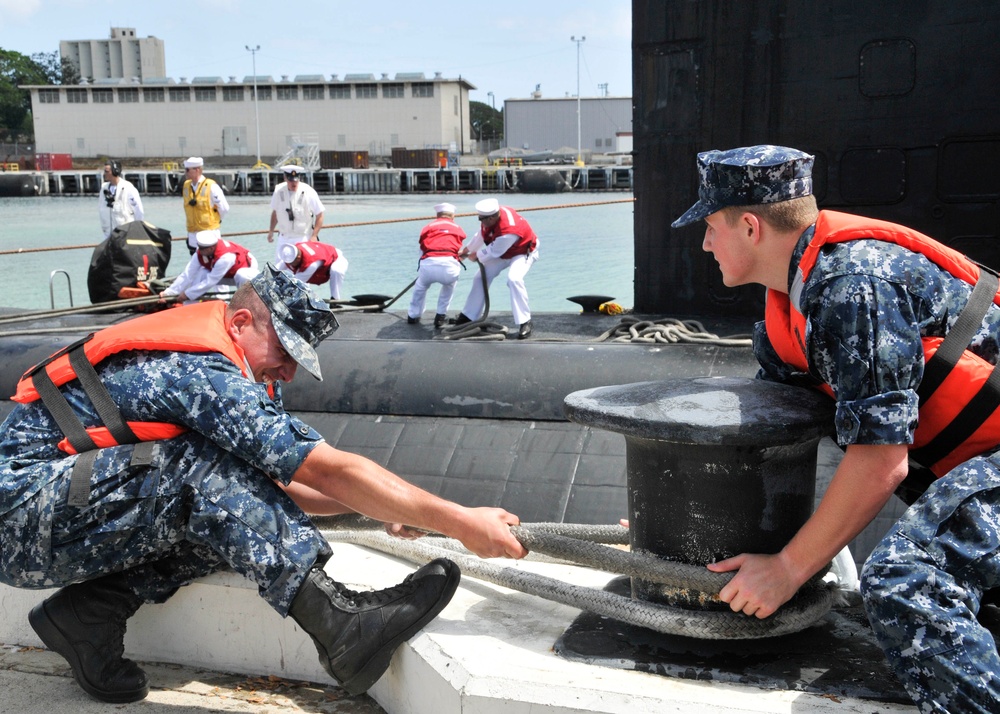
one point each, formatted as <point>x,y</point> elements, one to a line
<point>146,518</point>
<point>857,307</point>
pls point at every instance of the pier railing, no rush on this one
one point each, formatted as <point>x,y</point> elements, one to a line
<point>492,179</point>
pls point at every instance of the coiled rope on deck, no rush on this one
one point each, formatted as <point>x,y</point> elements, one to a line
<point>582,544</point>
<point>666,331</point>
<point>481,330</point>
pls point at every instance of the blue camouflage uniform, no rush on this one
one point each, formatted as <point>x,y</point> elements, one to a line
<point>204,501</point>
<point>867,304</point>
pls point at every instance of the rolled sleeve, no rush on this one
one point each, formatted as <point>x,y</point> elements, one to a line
<point>889,418</point>
<point>865,342</point>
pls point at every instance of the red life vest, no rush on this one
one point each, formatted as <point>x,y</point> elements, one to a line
<point>192,328</point>
<point>441,238</point>
<point>312,252</point>
<point>511,223</point>
<point>222,248</point>
<point>958,417</point>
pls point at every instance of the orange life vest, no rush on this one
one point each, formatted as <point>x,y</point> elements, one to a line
<point>959,406</point>
<point>194,328</point>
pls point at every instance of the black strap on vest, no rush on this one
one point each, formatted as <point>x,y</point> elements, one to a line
<point>986,401</point>
<point>98,394</point>
<point>70,424</point>
<point>960,335</point>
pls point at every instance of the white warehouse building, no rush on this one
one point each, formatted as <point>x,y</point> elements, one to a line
<point>538,124</point>
<point>218,119</point>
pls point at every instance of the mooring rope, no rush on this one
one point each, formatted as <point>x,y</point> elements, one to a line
<point>110,306</point>
<point>667,330</point>
<point>379,306</point>
<point>811,603</point>
<point>356,224</point>
<point>481,330</point>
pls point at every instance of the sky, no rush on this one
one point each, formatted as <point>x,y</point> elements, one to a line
<point>506,48</point>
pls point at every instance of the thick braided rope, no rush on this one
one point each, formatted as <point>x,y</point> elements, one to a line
<point>481,330</point>
<point>665,331</point>
<point>803,611</point>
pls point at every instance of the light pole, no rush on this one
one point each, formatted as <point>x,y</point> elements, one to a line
<point>579,147</point>
<point>493,133</point>
<point>256,114</point>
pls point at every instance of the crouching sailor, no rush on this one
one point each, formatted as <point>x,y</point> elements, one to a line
<point>901,331</point>
<point>157,451</point>
<point>217,266</point>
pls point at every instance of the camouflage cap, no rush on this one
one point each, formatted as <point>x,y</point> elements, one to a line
<point>748,176</point>
<point>301,321</point>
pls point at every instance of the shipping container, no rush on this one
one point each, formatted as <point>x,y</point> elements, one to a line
<point>419,158</point>
<point>53,162</point>
<point>343,159</point>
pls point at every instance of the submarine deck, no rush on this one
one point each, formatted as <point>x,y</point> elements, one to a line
<point>493,649</point>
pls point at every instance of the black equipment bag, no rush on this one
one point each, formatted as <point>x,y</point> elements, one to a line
<point>134,252</point>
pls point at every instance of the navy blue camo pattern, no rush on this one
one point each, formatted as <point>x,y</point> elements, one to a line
<point>212,492</point>
<point>748,176</point>
<point>924,583</point>
<point>867,304</point>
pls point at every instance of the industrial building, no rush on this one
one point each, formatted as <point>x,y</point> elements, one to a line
<point>126,107</point>
<point>221,119</point>
<point>541,124</point>
<point>121,56</point>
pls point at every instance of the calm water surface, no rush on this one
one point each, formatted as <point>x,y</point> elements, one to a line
<point>583,249</point>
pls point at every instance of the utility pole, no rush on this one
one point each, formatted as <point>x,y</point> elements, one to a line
<point>461,121</point>
<point>579,147</point>
<point>256,113</point>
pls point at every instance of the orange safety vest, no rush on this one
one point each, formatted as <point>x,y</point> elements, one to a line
<point>194,328</point>
<point>959,404</point>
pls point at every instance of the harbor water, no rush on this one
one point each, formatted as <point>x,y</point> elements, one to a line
<point>585,244</point>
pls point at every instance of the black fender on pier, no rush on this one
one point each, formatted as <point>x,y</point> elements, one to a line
<point>16,184</point>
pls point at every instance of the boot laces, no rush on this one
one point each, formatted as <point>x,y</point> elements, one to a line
<point>376,598</point>
<point>116,645</point>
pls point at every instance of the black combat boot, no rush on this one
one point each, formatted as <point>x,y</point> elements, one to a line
<point>356,632</point>
<point>85,623</point>
<point>439,321</point>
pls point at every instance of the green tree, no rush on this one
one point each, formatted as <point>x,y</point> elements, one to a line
<point>15,104</point>
<point>58,70</point>
<point>487,122</point>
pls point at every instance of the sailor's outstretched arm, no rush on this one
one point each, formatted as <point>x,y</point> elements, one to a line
<point>365,487</point>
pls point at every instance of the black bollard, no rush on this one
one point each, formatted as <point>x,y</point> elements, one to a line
<point>716,466</point>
